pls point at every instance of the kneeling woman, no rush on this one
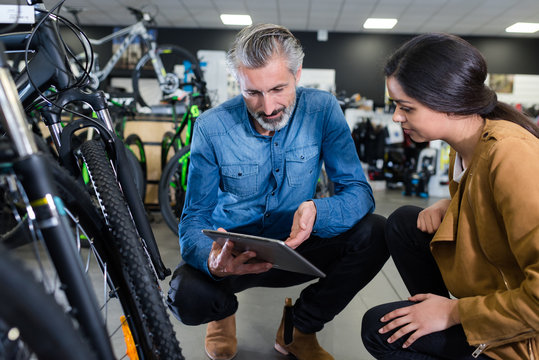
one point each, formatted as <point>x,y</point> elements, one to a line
<point>482,245</point>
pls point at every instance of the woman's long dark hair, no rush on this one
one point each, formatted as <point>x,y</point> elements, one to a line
<point>447,74</point>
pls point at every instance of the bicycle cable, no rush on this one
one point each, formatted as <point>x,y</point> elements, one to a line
<point>27,50</point>
<point>88,51</point>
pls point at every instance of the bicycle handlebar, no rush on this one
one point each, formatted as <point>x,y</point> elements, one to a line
<point>48,67</point>
<point>141,15</point>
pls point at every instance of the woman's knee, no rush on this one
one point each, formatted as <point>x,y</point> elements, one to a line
<point>402,223</point>
<point>403,216</point>
<point>373,341</point>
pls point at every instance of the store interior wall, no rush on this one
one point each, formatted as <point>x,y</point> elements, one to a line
<point>357,58</point>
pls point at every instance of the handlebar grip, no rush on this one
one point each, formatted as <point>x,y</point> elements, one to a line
<point>138,14</point>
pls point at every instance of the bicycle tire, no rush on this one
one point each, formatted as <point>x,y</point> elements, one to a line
<point>104,241</point>
<point>166,144</point>
<point>169,54</point>
<point>45,330</point>
<point>137,158</point>
<point>171,192</point>
<point>149,321</point>
<point>324,186</point>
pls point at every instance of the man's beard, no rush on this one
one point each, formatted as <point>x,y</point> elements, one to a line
<point>277,123</point>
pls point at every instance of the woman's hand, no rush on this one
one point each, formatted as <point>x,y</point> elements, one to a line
<point>429,219</point>
<point>430,314</point>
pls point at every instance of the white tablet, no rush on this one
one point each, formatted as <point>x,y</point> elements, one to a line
<point>273,251</point>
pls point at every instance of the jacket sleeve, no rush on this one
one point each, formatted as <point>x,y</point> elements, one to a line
<point>511,313</point>
<point>200,201</point>
<point>353,197</point>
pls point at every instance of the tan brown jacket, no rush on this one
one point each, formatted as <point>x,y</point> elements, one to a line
<point>487,246</point>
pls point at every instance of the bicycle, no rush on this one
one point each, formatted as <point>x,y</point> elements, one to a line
<point>161,58</point>
<point>132,266</point>
<point>44,330</point>
<point>173,181</point>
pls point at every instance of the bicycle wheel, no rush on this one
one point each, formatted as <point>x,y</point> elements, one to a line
<point>148,91</point>
<point>324,186</point>
<point>137,158</point>
<point>172,188</point>
<point>130,269</point>
<point>166,145</point>
<point>32,324</point>
<point>104,259</point>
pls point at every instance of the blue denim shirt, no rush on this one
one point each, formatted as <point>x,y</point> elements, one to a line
<point>250,183</point>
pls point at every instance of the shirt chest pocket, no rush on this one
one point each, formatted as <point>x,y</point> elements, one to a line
<point>240,179</point>
<point>301,164</point>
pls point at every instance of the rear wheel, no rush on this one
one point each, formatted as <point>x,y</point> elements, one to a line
<point>173,186</point>
<point>177,61</point>
<point>137,158</point>
<point>166,144</point>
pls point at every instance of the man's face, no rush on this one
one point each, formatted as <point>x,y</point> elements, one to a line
<point>269,93</point>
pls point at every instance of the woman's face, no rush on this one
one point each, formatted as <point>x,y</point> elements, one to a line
<point>418,121</point>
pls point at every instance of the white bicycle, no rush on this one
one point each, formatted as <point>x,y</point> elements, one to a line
<point>156,67</point>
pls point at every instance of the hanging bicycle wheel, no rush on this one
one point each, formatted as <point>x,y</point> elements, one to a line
<point>134,281</point>
<point>179,67</point>
<point>172,188</point>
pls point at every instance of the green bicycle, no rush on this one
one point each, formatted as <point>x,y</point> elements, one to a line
<point>173,182</point>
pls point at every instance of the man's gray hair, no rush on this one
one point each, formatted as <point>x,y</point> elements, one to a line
<point>255,45</point>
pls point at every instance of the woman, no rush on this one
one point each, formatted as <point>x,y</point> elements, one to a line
<point>482,245</point>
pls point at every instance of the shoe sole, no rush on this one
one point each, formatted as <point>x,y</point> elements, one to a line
<point>217,358</point>
<point>283,351</point>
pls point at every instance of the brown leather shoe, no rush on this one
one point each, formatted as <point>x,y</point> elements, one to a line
<point>290,340</point>
<point>221,343</point>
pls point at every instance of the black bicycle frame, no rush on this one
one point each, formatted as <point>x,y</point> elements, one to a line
<point>48,214</point>
<point>50,63</point>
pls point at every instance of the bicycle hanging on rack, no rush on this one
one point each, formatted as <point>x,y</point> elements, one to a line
<point>154,77</point>
<point>130,263</point>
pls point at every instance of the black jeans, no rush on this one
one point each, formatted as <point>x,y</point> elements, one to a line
<point>409,248</point>
<point>349,260</point>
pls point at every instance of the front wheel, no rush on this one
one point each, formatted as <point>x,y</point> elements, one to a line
<point>177,61</point>
<point>173,186</point>
<point>32,324</point>
<point>135,283</point>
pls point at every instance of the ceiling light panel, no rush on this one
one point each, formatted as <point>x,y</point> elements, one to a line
<point>379,23</point>
<point>236,19</point>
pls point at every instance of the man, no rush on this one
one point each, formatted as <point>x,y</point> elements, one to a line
<point>255,163</point>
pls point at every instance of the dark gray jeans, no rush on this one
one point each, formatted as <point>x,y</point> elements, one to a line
<point>410,250</point>
<point>349,261</point>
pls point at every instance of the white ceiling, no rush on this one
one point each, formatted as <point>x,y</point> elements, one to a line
<point>462,17</point>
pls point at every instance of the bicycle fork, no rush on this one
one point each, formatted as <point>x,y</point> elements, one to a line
<point>117,154</point>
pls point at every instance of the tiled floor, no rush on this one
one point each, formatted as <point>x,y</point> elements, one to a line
<point>260,309</point>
